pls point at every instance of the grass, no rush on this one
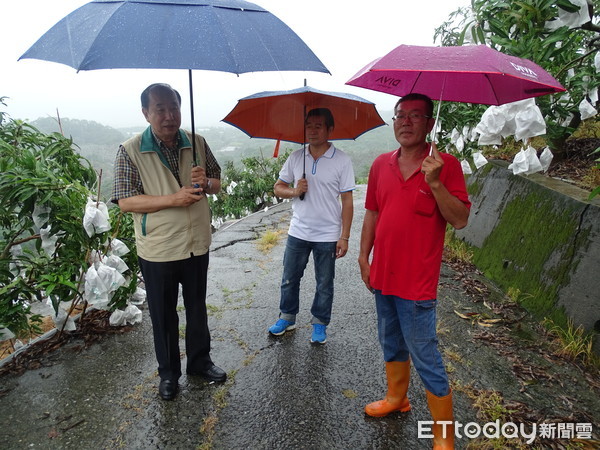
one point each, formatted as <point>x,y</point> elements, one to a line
<point>510,147</point>
<point>515,295</point>
<point>456,249</point>
<point>490,407</point>
<point>209,423</point>
<point>453,355</point>
<point>269,239</point>
<point>248,360</point>
<point>207,429</point>
<point>441,328</point>
<point>591,179</point>
<point>220,397</point>
<point>490,404</point>
<point>214,310</point>
<point>589,128</point>
<point>238,296</point>
<point>573,343</point>
<point>349,393</point>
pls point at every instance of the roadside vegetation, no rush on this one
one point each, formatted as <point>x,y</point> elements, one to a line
<point>269,239</point>
<point>566,341</point>
<point>44,249</point>
<point>456,250</point>
<point>246,189</point>
<point>573,343</point>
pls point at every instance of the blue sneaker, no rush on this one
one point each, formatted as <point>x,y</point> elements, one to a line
<point>281,326</point>
<point>319,334</point>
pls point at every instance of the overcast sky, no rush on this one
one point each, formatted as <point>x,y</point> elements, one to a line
<point>344,35</point>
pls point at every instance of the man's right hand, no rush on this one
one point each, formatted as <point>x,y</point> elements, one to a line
<point>302,187</point>
<point>187,196</point>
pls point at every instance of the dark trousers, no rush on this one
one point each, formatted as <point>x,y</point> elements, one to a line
<point>162,280</point>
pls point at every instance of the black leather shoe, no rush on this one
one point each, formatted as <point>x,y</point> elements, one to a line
<point>167,389</point>
<point>213,373</point>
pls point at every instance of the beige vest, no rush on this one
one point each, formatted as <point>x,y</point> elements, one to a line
<point>171,234</point>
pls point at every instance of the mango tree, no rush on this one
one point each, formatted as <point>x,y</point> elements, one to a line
<point>44,249</point>
<point>536,30</point>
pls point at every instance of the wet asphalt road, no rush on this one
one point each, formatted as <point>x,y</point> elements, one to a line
<point>281,392</point>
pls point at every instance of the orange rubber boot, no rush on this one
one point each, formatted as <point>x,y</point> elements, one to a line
<point>398,376</point>
<point>441,410</point>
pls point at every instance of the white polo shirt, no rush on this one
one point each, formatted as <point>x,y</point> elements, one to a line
<point>318,218</point>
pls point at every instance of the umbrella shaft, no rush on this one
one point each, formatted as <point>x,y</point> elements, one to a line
<point>195,162</point>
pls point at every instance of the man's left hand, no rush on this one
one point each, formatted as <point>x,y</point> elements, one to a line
<point>199,177</point>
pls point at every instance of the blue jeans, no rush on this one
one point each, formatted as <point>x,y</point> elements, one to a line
<point>295,259</point>
<point>406,329</point>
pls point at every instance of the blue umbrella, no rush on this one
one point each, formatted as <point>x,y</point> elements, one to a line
<point>223,35</point>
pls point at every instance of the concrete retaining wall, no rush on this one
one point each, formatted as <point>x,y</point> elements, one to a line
<point>540,236</point>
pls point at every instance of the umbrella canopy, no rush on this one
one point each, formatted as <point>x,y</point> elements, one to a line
<point>467,74</point>
<point>280,114</point>
<point>223,35</point>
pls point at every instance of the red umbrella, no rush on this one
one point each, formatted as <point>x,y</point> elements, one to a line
<point>280,115</point>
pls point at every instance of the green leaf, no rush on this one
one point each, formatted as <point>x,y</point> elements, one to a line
<point>567,6</point>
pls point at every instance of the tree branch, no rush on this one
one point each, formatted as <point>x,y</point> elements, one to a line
<point>575,62</point>
<point>27,239</point>
<point>14,242</point>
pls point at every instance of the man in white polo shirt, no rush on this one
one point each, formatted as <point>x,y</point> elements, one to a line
<point>320,223</point>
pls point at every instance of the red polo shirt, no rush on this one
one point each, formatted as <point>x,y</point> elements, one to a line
<point>410,230</point>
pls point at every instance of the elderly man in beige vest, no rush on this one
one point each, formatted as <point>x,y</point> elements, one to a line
<point>154,179</point>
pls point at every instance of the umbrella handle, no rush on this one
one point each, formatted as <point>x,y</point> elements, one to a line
<point>304,159</point>
<point>196,185</point>
<point>304,193</point>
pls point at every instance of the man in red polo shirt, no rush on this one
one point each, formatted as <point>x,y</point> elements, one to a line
<point>412,194</point>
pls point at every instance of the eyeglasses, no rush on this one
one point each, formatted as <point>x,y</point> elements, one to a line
<point>414,117</point>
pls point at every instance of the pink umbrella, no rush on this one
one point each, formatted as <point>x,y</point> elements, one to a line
<point>467,74</point>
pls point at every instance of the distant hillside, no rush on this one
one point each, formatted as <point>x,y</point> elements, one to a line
<point>81,131</point>
<point>96,142</point>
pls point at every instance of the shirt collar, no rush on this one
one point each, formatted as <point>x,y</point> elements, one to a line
<point>328,154</point>
<point>151,142</point>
